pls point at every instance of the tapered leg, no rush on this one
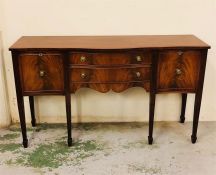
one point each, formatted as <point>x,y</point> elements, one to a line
<point>197,105</point>
<point>22,119</point>
<point>183,107</point>
<point>198,96</point>
<point>151,117</point>
<point>32,109</point>
<point>68,113</point>
<point>153,90</point>
<point>67,96</point>
<point>20,101</point>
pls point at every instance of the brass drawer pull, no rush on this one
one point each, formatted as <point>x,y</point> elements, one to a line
<point>42,73</point>
<point>83,59</point>
<point>83,75</point>
<point>138,74</point>
<point>178,71</point>
<point>138,58</point>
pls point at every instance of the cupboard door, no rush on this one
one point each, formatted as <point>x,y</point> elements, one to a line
<point>178,70</point>
<point>41,72</point>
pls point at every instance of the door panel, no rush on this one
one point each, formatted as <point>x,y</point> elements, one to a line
<point>178,71</point>
<point>41,72</point>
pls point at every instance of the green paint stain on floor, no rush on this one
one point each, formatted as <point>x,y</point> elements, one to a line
<point>39,127</point>
<point>16,128</point>
<point>48,156</point>
<point>45,155</point>
<point>45,126</point>
<point>53,155</point>
<point>9,162</point>
<point>10,136</point>
<point>89,145</point>
<point>85,149</point>
<point>9,147</point>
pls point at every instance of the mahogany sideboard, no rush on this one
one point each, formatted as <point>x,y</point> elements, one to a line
<point>60,65</point>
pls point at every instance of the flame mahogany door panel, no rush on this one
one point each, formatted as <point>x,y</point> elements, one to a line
<point>41,72</point>
<point>178,70</point>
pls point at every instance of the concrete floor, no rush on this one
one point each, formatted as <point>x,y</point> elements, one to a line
<point>110,149</point>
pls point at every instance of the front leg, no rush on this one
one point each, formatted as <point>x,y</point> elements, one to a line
<point>20,101</point>
<point>198,96</point>
<point>151,117</point>
<point>197,105</point>
<point>153,90</point>
<point>68,113</point>
<point>68,97</point>
<point>21,109</point>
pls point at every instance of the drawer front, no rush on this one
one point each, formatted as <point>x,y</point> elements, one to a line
<point>41,72</point>
<point>178,70</point>
<point>110,58</point>
<point>110,75</point>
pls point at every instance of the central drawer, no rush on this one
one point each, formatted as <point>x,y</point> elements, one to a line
<point>110,74</point>
<point>83,58</point>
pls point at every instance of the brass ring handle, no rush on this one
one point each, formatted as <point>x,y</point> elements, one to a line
<point>138,74</point>
<point>180,53</point>
<point>40,54</point>
<point>83,75</point>
<point>178,71</point>
<point>138,58</point>
<point>42,73</point>
<point>83,59</point>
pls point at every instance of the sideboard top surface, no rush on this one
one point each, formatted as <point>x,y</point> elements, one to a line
<point>109,42</point>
